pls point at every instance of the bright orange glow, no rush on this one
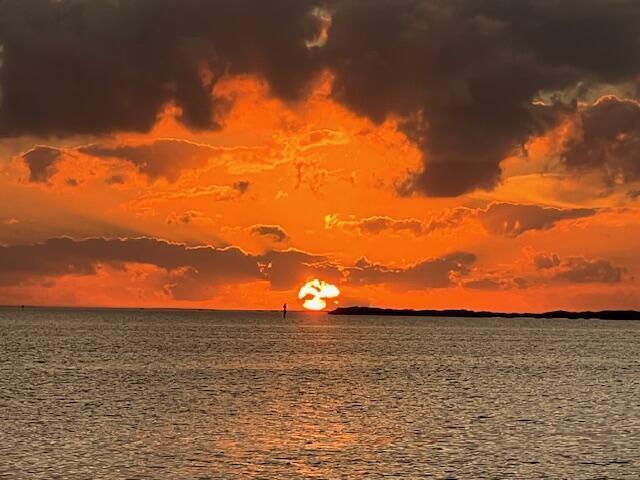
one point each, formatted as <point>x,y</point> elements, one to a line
<point>315,293</point>
<point>326,178</point>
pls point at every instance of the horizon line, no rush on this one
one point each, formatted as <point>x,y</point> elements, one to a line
<point>328,311</point>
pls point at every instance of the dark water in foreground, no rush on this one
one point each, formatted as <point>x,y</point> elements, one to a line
<point>196,395</point>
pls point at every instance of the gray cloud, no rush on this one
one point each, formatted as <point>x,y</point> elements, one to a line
<point>274,232</point>
<point>241,186</point>
<point>164,158</point>
<point>62,256</point>
<point>487,283</point>
<point>115,179</point>
<point>376,224</point>
<point>431,273</point>
<point>543,261</point>
<point>584,270</point>
<point>290,268</point>
<point>41,161</point>
<point>196,272</point>
<point>551,269</point>
<point>193,273</point>
<point>188,217</point>
<point>504,219</point>
<point>512,220</point>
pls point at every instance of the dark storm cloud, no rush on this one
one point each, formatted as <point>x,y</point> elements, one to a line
<point>473,68</point>
<point>432,273</point>
<point>274,232</point>
<point>89,67</point>
<point>462,74</point>
<point>41,161</point>
<point>608,141</point>
<point>512,220</point>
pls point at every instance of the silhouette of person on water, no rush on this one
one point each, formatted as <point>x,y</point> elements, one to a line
<point>284,311</point>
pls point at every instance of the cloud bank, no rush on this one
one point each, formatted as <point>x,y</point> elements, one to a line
<point>463,77</point>
<point>498,218</point>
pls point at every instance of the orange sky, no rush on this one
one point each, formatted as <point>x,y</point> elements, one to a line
<point>480,155</point>
<point>323,179</point>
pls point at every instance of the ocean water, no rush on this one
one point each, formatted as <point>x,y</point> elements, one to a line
<point>127,394</point>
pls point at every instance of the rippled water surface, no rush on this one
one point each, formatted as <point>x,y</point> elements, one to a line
<point>121,394</point>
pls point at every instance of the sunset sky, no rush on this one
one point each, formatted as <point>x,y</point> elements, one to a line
<point>480,154</point>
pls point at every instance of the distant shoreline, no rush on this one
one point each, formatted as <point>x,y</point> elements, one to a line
<point>602,315</point>
<point>398,312</point>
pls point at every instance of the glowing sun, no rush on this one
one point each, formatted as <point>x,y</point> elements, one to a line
<point>315,293</point>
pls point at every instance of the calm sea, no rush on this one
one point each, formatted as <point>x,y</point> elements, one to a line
<point>126,394</point>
